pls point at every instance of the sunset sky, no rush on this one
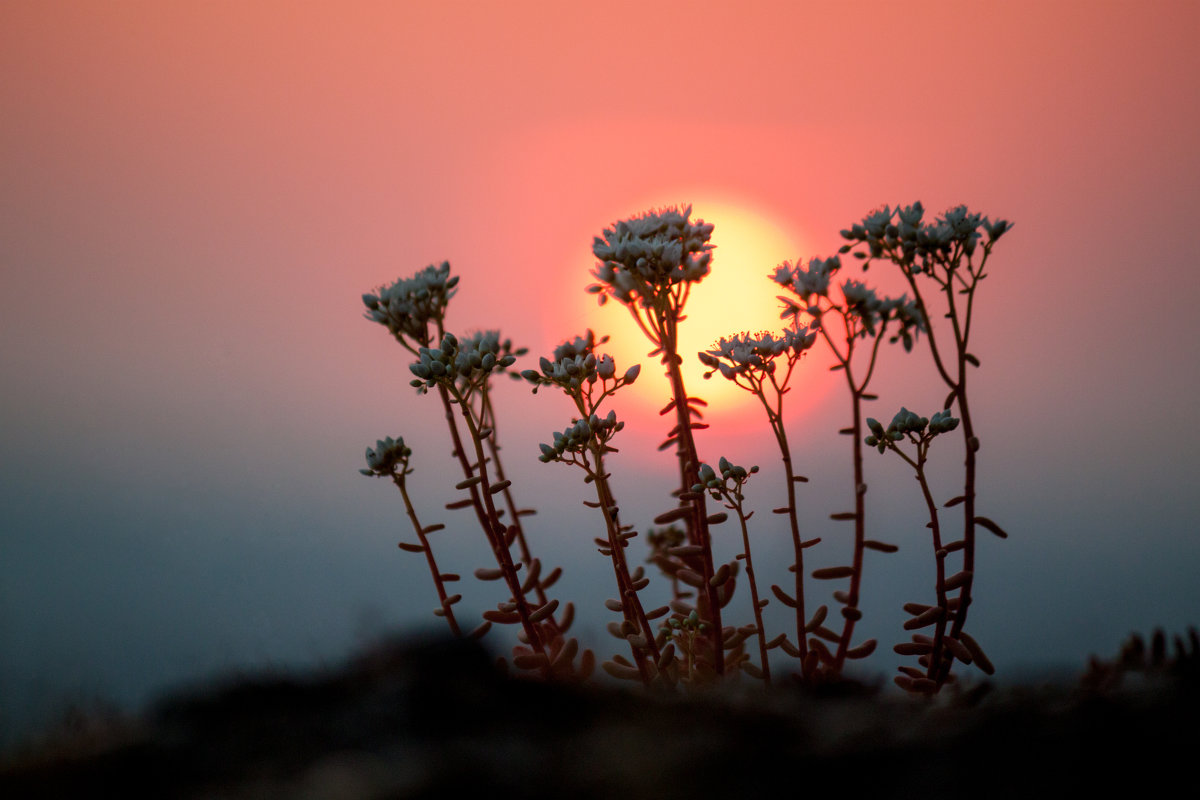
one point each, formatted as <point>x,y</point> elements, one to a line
<point>195,195</point>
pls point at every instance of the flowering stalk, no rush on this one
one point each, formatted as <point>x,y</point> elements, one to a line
<point>412,309</point>
<point>863,315</point>
<point>751,363</point>
<point>588,381</point>
<point>938,652</point>
<point>649,263</point>
<point>728,487</point>
<point>948,253</point>
<point>390,459</point>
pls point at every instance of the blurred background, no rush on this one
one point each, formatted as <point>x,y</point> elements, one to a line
<point>195,195</point>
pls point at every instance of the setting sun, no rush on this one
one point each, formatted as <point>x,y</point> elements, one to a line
<point>736,296</point>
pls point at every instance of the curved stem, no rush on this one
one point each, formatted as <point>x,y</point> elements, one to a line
<point>498,539</point>
<point>708,601</point>
<point>630,602</point>
<point>736,503</point>
<point>447,610</point>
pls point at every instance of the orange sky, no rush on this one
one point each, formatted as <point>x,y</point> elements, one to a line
<point>194,195</point>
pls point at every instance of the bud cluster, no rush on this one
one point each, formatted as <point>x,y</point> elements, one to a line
<point>578,437</point>
<point>807,280</point>
<point>710,482</point>
<point>642,256</point>
<point>744,353</point>
<point>389,456</point>
<point>574,364</point>
<point>468,361</point>
<point>909,423</point>
<point>918,244</point>
<point>810,282</point>
<point>407,306</point>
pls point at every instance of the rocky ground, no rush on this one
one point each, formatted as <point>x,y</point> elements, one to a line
<point>435,719</point>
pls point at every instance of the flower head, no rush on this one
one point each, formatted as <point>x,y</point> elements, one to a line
<point>716,481</point>
<point>746,353</point>
<point>388,456</point>
<point>643,257</point>
<point>407,306</point>
<point>467,361</point>
<point>575,363</point>
<point>578,437</point>
<point>908,423</point>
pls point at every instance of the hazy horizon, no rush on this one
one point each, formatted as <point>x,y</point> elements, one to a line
<point>196,195</point>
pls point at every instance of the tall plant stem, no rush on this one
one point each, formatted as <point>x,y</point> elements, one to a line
<point>487,417</point>
<point>936,670</point>
<point>438,580</point>
<point>709,605</point>
<point>776,419</point>
<point>631,604</point>
<point>498,535</point>
<point>750,578</point>
<point>859,526</point>
<point>958,394</point>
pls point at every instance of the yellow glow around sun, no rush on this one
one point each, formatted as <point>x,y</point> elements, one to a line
<point>736,296</point>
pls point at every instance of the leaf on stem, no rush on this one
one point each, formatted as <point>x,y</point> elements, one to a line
<point>489,573</point>
<point>674,514</point>
<point>926,617</point>
<point>621,671</point>
<point>544,611</point>
<point>433,529</point>
<point>783,596</point>
<point>457,504</point>
<point>501,617</point>
<point>953,501</point>
<point>991,526</point>
<point>554,575</point>
<point>958,579</point>
<point>863,650</point>
<point>976,651</point>
<point>882,547</point>
<point>832,573</point>
<point>469,482</point>
<point>412,548</point>
<point>817,618</point>
<point>842,515</point>
<point>958,650</point>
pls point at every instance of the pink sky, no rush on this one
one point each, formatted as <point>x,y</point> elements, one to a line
<point>196,194</point>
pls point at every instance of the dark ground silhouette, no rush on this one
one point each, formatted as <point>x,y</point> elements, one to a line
<point>434,718</point>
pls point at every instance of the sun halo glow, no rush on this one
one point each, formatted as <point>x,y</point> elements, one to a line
<point>736,296</point>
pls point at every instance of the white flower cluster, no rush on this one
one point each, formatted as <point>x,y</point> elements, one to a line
<point>641,256</point>
<point>811,283</point>
<point>468,361</point>
<point>576,438</point>
<point>388,455</point>
<point>574,364</point>
<point>744,353</point>
<point>918,244</point>
<point>407,306</point>
<point>710,482</point>
<point>907,422</point>
<point>807,280</point>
